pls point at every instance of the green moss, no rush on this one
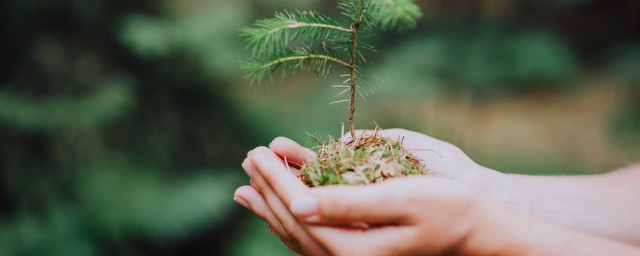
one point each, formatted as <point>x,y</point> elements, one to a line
<point>361,161</point>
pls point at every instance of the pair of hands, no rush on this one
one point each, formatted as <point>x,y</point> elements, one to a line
<point>414,215</point>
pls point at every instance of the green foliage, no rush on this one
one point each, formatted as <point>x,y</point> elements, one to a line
<point>385,14</point>
<point>396,13</point>
<point>350,9</point>
<point>484,59</point>
<point>111,100</point>
<point>274,35</point>
<point>60,233</point>
<point>289,38</point>
<point>303,58</point>
<point>538,57</point>
<point>206,34</point>
<point>626,123</point>
<point>112,138</point>
<point>625,63</point>
<point>146,204</point>
<point>120,204</point>
<point>254,239</point>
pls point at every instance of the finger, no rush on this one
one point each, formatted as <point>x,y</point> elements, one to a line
<point>256,203</point>
<point>292,151</point>
<point>278,177</point>
<point>292,246</point>
<point>382,203</point>
<point>288,242</point>
<point>292,228</point>
<point>298,236</point>
<point>292,237</point>
<point>248,168</point>
<point>272,200</point>
<point>388,240</point>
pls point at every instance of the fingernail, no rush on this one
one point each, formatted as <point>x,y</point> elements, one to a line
<point>305,207</point>
<point>276,140</point>
<point>249,153</point>
<point>242,202</point>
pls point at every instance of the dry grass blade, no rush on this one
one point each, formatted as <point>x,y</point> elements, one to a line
<point>362,160</point>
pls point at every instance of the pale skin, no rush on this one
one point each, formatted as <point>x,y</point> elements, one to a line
<point>465,209</point>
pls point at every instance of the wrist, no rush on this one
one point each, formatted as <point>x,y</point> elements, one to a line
<point>506,189</point>
<point>516,192</point>
<point>497,230</point>
<point>490,183</point>
<point>484,233</point>
<point>501,231</point>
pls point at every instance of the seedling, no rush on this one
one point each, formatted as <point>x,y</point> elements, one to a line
<point>307,40</point>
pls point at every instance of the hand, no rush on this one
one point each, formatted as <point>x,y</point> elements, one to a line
<point>265,201</point>
<point>444,160</point>
<point>403,209</point>
<point>432,216</point>
<point>404,216</point>
<point>407,216</point>
<point>441,158</point>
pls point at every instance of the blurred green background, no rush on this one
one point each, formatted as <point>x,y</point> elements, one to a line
<point>123,123</point>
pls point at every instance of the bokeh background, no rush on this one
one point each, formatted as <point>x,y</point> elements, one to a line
<point>123,123</point>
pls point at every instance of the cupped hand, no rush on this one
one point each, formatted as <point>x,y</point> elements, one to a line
<point>269,195</point>
<point>441,158</point>
<point>404,215</point>
<point>412,215</point>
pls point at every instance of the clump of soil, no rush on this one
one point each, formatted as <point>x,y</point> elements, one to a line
<point>364,160</point>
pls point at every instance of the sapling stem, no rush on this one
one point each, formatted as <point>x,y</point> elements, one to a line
<point>290,40</point>
<point>352,67</point>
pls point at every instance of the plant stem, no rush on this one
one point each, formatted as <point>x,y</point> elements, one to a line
<point>304,57</point>
<point>354,52</point>
<point>303,25</point>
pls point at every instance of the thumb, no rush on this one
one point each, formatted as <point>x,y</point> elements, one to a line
<point>378,203</point>
<point>291,151</point>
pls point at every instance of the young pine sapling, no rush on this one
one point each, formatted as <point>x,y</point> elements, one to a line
<point>315,42</point>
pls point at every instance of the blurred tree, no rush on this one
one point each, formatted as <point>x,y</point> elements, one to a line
<point>109,145</point>
<point>493,61</point>
<point>625,64</point>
